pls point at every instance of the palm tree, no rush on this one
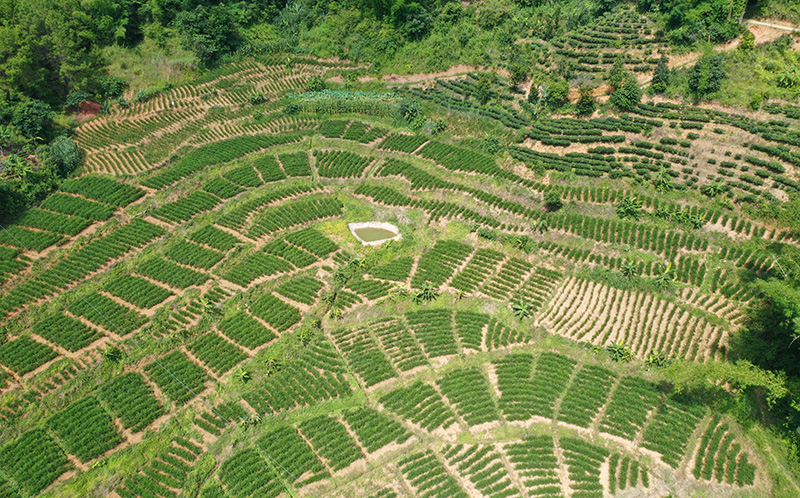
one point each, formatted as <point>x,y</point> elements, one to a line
<point>522,309</point>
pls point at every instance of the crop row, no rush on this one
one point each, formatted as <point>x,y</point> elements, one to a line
<point>437,264</point>
<point>363,133</point>
<point>34,460</point>
<point>81,263</point>
<point>103,189</point>
<point>177,377</point>
<point>215,238</point>
<point>396,270</point>
<point>403,143</point>
<point>482,264</point>
<point>187,207</point>
<point>341,164</point>
<point>86,429</point>
<point>421,404</point>
<point>301,289</point>
<point>399,344</point>
<point>534,461</point>
<point>294,459</point>
<point>136,290</point>
<point>194,255</point>
<point>623,232</point>
<point>538,287</point>
<point>217,353</point>
<point>363,355</point>
<point>295,164</point>
<point>244,176</point>
<point>171,273</point>
<point>318,374</point>
<point>23,238</point>
<point>312,241</point>
<point>291,253</point>
<point>370,289</point>
<point>333,128</point>
<point>218,153</point>
<point>245,330</point>
<point>24,355</point>
<point>583,462</point>
<point>585,395</point>
<point>165,471</point>
<point>720,457</point>
<point>132,401</point>
<point>469,328</point>
<point>222,188</point>
<point>505,115</point>
<point>77,206</point>
<point>331,441</point>
<point>433,329</point>
<point>275,312</point>
<point>53,222</point>
<point>627,410</point>
<point>642,321</point>
<point>291,214</point>
<point>106,313</point>
<point>459,159</point>
<point>671,428</point>
<point>429,477</point>
<point>499,335</point>
<point>509,277</point>
<point>625,472</point>
<point>67,332</point>
<point>470,393</point>
<point>484,467</point>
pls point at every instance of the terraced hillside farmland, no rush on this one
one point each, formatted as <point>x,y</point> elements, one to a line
<point>191,316</point>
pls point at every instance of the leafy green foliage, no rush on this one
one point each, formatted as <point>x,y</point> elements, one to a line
<point>706,76</point>
<point>586,103</point>
<point>629,207</point>
<point>661,76</point>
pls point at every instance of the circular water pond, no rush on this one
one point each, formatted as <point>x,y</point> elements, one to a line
<point>372,233</point>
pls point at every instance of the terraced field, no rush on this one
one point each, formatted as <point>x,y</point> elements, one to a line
<point>191,316</point>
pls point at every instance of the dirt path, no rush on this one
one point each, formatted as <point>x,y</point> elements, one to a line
<point>773,26</point>
<point>400,79</point>
<point>763,32</point>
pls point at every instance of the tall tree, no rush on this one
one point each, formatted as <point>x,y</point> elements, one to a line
<point>661,76</point>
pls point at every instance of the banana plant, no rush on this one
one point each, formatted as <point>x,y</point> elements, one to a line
<point>629,268</point>
<point>540,226</point>
<point>427,294</point>
<point>522,309</point>
<point>620,352</point>
<point>665,278</point>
